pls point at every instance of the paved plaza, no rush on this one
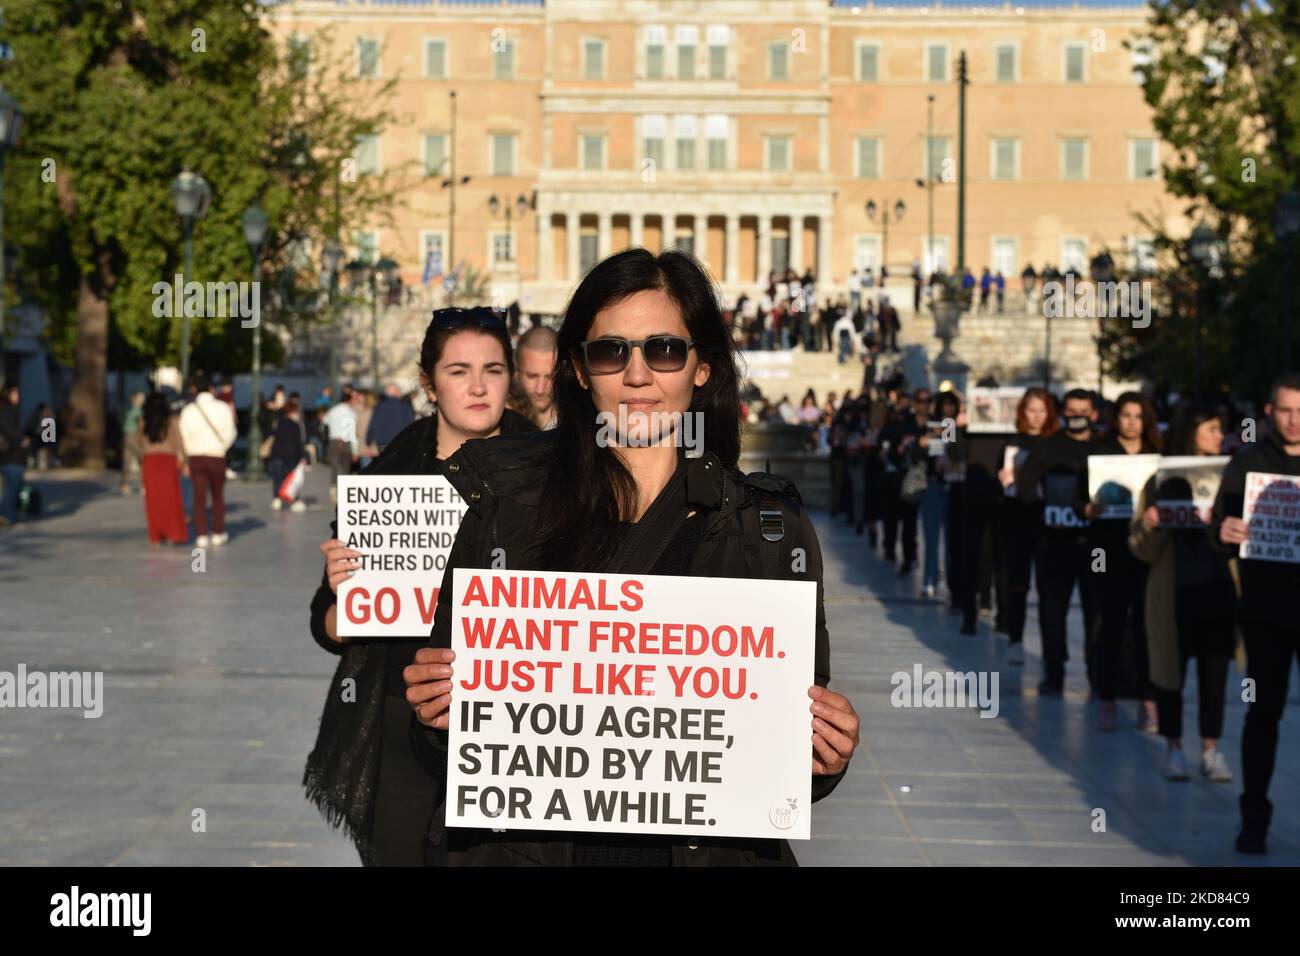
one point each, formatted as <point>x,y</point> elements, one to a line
<point>213,689</point>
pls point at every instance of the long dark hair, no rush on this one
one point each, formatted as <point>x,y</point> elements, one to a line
<point>1150,431</point>
<point>589,487</point>
<point>157,412</point>
<point>1183,424</point>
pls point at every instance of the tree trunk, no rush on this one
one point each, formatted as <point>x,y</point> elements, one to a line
<point>83,441</point>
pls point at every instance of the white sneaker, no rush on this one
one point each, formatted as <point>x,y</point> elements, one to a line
<point>298,506</point>
<point>276,504</point>
<point>1214,766</point>
<point>1015,653</point>
<point>1175,766</point>
<point>219,539</point>
<point>231,474</point>
<point>930,592</point>
<point>202,541</point>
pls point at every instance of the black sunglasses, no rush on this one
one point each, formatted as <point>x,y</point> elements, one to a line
<point>478,317</point>
<point>662,353</point>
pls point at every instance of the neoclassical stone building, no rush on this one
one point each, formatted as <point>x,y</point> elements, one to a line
<point>759,134</point>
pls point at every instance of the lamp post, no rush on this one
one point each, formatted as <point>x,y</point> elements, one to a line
<point>871,208</point>
<point>333,257</point>
<point>363,273</point>
<point>254,233</point>
<point>191,195</point>
<point>495,205</point>
<point>11,121</point>
<point>1287,224</point>
<point>1200,248</point>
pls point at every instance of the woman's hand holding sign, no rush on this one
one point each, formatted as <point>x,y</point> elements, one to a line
<point>835,731</point>
<point>428,686</point>
<point>340,562</point>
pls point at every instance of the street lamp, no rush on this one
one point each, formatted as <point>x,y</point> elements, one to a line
<point>191,195</point>
<point>11,121</point>
<point>495,205</point>
<point>1200,247</point>
<point>1287,224</point>
<point>254,233</point>
<point>872,209</point>
<point>333,257</point>
<point>364,273</point>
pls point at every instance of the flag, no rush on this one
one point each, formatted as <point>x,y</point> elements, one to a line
<point>432,266</point>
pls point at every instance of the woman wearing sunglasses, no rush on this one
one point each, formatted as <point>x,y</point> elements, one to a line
<point>361,773</point>
<point>643,341</point>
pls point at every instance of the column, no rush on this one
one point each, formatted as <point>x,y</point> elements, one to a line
<point>796,244</point>
<point>824,248</point>
<point>733,248</point>
<point>604,222</point>
<point>700,238</point>
<point>574,243</point>
<point>764,248</point>
<point>636,229</point>
<point>545,247</point>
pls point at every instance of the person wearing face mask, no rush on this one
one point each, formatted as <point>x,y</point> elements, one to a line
<point>642,340</point>
<point>1053,484</point>
<point>362,773</point>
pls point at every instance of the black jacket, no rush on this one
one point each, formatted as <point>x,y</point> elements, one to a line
<point>502,482</point>
<point>1268,588</point>
<point>1058,466</point>
<point>287,444</point>
<point>10,426</point>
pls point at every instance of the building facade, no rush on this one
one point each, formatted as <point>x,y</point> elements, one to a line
<point>759,134</point>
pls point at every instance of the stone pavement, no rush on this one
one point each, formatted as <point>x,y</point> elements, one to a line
<point>213,697</point>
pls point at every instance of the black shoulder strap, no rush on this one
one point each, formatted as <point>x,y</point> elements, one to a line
<point>650,536</point>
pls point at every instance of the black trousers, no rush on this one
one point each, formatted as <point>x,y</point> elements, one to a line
<point>837,486</point>
<point>969,521</point>
<point>405,796</point>
<point>1211,685</point>
<point>1121,598</point>
<point>1064,560</point>
<point>1271,651</point>
<point>1017,535</point>
<point>855,476</point>
<point>896,512</point>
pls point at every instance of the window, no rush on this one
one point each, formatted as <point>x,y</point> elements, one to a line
<point>777,151</point>
<point>937,158</point>
<point>685,132</point>
<point>868,161</point>
<point>653,131</point>
<point>655,40</point>
<point>366,154</point>
<point>1074,159</point>
<point>503,154</point>
<point>717,131</point>
<point>435,154</point>
<point>687,39</point>
<point>435,59</point>
<point>593,59</point>
<point>368,58</point>
<point>1142,252</point>
<point>1074,255</point>
<point>299,56</point>
<point>936,254</point>
<point>1004,256</point>
<point>1076,56</point>
<point>503,60</point>
<point>936,62</point>
<point>1005,56</point>
<point>1142,159</point>
<point>593,151</point>
<point>432,246</point>
<point>1006,159</point>
<point>1140,57</point>
<point>502,247</point>
<point>365,245</point>
<point>778,61</point>
<point>719,39</point>
<point>866,253</point>
<point>868,62</point>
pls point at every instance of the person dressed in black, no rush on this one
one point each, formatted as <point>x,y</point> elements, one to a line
<point>900,451</point>
<point>362,773</point>
<point>1053,484</point>
<point>642,334</point>
<point>1267,610</point>
<point>1017,530</point>
<point>1121,589</point>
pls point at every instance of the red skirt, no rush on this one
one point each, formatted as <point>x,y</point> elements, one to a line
<point>163,508</point>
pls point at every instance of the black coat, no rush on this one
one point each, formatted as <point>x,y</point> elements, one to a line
<point>502,481</point>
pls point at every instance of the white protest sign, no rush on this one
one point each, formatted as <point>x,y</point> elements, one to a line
<point>1272,514</point>
<point>1116,481</point>
<point>993,409</point>
<point>1185,488</point>
<point>404,526</point>
<point>631,704</point>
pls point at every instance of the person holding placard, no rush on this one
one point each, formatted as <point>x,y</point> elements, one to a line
<point>1190,603</point>
<point>1035,419</point>
<point>1267,611</point>
<point>642,337</point>
<point>1121,586</point>
<point>362,773</point>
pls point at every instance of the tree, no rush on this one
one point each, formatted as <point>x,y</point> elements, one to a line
<point>119,95</point>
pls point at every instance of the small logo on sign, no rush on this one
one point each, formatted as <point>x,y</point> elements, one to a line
<point>784,814</point>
